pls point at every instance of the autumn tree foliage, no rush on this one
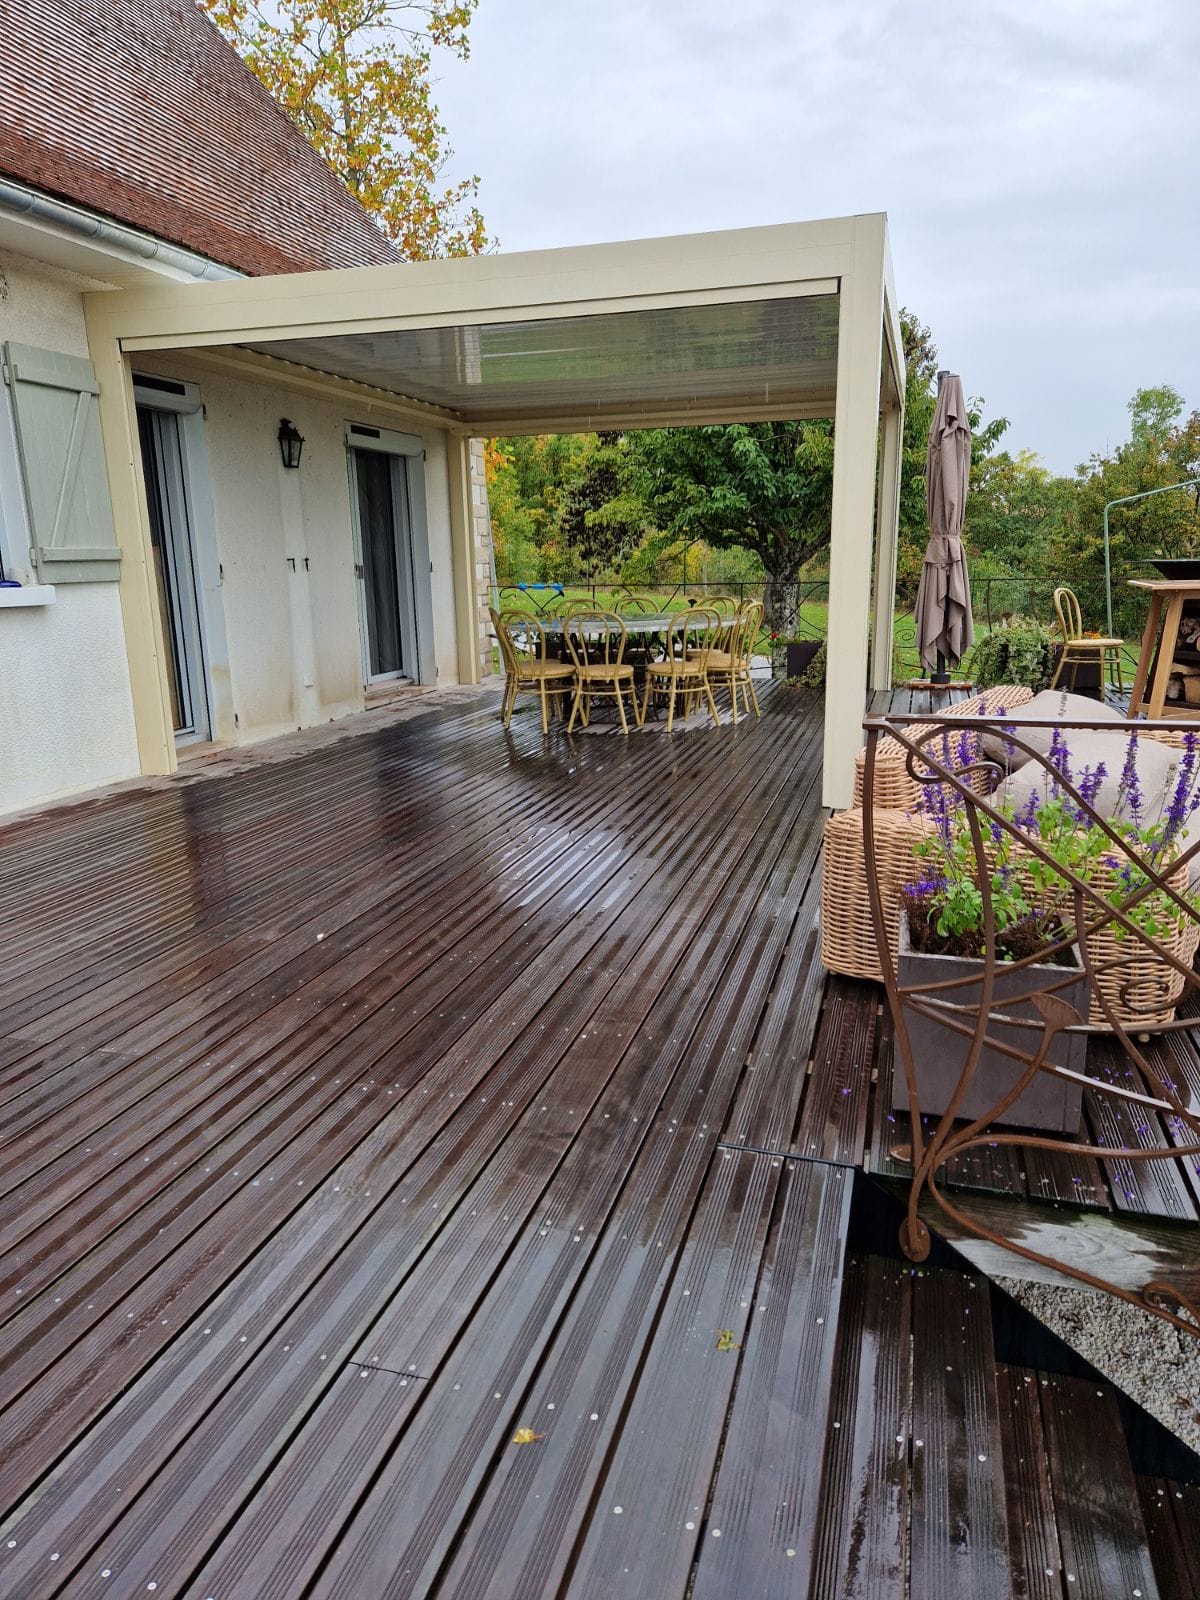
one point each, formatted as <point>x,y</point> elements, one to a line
<point>355,77</point>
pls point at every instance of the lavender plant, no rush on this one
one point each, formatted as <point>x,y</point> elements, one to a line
<point>1032,900</point>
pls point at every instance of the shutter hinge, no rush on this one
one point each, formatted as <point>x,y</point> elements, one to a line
<point>6,372</point>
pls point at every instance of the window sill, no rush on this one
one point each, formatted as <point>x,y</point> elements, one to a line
<point>33,594</point>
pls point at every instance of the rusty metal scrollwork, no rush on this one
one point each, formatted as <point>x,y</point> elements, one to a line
<point>1139,978</point>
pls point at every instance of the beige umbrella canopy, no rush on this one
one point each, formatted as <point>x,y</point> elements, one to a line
<point>945,631</point>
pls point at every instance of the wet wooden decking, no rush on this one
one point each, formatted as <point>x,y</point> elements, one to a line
<point>365,1110</point>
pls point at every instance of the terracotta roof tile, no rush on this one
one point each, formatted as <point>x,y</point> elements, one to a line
<point>140,110</point>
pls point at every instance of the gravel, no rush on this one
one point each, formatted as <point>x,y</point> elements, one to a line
<point>1156,1365</point>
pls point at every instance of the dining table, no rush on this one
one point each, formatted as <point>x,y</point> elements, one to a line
<point>1169,597</point>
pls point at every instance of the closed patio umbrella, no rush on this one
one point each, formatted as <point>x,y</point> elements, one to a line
<point>945,631</point>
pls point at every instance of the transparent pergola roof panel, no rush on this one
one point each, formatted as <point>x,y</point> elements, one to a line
<point>747,353</point>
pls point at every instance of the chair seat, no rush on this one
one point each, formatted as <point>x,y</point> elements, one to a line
<point>596,671</point>
<point>719,660</point>
<point>675,669</point>
<point>546,669</point>
<point>1094,644</point>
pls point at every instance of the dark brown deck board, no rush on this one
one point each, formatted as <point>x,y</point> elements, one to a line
<point>457,1066</point>
<point>1171,1512</point>
<point>287,1214</point>
<point>862,1544</point>
<point>959,1528</point>
<point>760,1531</point>
<point>1100,1527</point>
<point>1032,1531</point>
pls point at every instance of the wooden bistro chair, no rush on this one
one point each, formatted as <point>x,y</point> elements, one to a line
<point>528,663</point>
<point>1078,650</point>
<point>729,667</point>
<point>684,668</point>
<point>596,643</point>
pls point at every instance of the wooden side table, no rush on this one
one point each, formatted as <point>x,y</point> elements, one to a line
<point>1167,599</point>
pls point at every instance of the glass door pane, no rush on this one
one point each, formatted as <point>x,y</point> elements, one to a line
<point>375,477</point>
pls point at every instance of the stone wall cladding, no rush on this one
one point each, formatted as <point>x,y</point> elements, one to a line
<point>481,523</point>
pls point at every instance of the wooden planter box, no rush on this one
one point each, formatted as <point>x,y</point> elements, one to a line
<point>1051,1105</point>
<point>800,657</point>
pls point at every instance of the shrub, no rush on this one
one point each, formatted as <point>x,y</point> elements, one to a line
<point>1022,651</point>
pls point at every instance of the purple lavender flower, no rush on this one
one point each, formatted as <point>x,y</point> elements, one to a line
<point>1183,799</point>
<point>1090,780</point>
<point>1130,797</point>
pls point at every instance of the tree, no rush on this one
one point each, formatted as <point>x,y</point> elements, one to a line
<point>354,76</point>
<point>762,486</point>
<point>1163,449</point>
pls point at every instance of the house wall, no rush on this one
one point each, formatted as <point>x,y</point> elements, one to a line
<point>285,648</point>
<point>294,650</point>
<point>66,714</point>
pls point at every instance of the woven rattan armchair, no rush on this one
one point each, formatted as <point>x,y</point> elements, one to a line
<point>894,787</point>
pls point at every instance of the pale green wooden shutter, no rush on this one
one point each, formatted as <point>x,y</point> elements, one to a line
<point>57,414</point>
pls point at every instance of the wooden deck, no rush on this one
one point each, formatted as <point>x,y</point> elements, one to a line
<point>370,1111</point>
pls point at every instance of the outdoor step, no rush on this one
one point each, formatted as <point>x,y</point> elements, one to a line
<point>1172,1516</point>
<point>959,1529</point>
<point>913,1490</point>
<point>1075,1521</point>
<point>862,1543</point>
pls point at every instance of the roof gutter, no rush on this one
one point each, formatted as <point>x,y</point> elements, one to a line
<point>18,200</point>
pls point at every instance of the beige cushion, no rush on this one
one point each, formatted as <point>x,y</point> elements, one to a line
<point>1156,766</point>
<point>1052,705</point>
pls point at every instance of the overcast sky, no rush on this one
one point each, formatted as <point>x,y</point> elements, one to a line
<point>1037,160</point>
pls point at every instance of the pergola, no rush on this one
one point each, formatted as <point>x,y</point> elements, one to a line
<point>793,321</point>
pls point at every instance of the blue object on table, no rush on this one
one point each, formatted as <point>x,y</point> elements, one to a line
<point>557,587</point>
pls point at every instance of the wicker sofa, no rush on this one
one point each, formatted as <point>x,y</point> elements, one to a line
<point>847,931</point>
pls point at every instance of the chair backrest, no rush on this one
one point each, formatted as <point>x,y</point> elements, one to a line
<point>1070,618</point>
<point>749,626</point>
<point>595,638</point>
<point>637,604</point>
<point>523,639</point>
<point>697,633</point>
<point>723,604</point>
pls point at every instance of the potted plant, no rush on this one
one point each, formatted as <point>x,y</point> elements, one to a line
<point>797,653</point>
<point>942,933</point>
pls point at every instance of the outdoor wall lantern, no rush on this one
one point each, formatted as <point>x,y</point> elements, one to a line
<point>291,443</point>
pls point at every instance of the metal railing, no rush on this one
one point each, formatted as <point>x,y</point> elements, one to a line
<point>1083,923</point>
<point>805,619</point>
<point>996,600</point>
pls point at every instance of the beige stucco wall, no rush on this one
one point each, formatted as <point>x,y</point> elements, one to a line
<point>294,649</point>
<point>66,714</point>
<point>286,652</point>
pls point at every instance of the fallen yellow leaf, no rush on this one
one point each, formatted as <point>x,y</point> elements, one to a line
<point>526,1436</point>
<point>726,1341</point>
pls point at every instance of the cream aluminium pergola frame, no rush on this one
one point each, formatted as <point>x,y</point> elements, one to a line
<point>844,256</point>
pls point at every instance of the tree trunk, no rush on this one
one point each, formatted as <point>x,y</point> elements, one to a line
<point>781,616</point>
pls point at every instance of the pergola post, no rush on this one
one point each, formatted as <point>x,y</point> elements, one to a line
<point>131,519</point>
<point>887,525</point>
<point>856,441</point>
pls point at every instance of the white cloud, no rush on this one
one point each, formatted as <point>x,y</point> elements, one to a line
<point>1036,160</point>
